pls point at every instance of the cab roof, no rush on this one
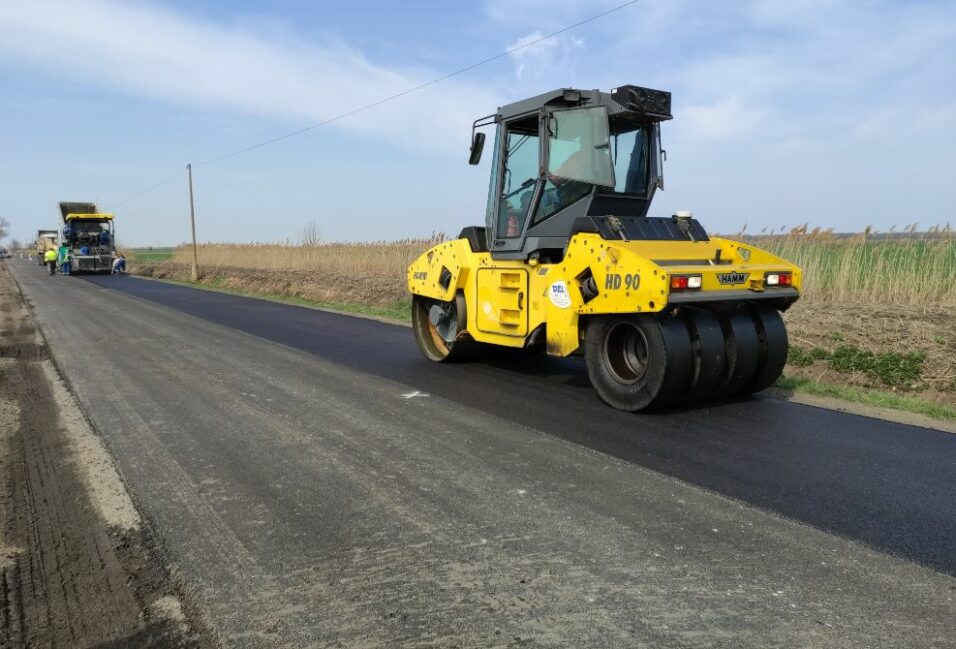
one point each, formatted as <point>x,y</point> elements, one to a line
<point>646,103</point>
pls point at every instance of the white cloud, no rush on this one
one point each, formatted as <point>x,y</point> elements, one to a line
<point>813,69</point>
<point>546,60</point>
<point>724,119</point>
<point>879,124</point>
<point>146,50</point>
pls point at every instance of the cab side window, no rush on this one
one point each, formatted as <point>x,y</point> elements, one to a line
<point>521,170</point>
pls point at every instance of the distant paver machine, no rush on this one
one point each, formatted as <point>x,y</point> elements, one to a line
<point>569,261</point>
<point>89,235</point>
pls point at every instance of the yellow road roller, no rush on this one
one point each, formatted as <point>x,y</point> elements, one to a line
<point>569,262</point>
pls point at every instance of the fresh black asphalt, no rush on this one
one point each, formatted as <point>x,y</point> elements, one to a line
<point>887,485</point>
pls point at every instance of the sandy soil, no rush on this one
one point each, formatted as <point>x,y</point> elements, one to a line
<point>879,328</point>
<point>873,327</point>
<point>77,568</point>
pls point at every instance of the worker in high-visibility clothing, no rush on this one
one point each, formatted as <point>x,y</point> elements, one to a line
<point>49,258</point>
<point>65,257</point>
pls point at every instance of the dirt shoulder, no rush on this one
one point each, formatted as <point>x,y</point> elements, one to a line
<point>377,291</point>
<point>77,566</point>
<point>819,329</point>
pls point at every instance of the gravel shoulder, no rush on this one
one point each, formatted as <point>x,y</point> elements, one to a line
<point>77,566</point>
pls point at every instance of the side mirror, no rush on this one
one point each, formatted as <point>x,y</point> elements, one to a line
<point>477,145</point>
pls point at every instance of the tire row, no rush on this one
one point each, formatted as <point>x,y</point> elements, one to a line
<point>695,355</point>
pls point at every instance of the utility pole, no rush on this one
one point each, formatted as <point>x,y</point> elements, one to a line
<point>192,220</point>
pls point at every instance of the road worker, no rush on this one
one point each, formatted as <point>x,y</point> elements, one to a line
<point>119,265</point>
<point>49,258</point>
<point>64,256</point>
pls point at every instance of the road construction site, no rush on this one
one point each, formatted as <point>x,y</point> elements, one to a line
<point>304,478</point>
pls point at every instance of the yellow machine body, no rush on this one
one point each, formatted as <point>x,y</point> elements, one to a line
<point>508,301</point>
<point>87,217</point>
<point>570,260</point>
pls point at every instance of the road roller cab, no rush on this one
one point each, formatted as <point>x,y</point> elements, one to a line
<point>569,261</point>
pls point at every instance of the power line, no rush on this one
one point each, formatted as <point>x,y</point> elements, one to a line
<point>146,191</point>
<point>398,95</point>
<point>409,91</point>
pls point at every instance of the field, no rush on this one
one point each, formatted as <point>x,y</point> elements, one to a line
<point>916,270</point>
<point>374,258</point>
<point>877,312</point>
<point>148,254</point>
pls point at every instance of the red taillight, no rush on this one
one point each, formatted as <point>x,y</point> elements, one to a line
<point>684,282</point>
<point>779,279</point>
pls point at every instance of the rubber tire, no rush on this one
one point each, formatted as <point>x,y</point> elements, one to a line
<point>431,345</point>
<point>774,346</point>
<point>709,353</point>
<point>668,361</point>
<point>742,352</point>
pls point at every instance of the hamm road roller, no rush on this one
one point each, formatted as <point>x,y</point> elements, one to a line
<point>569,261</point>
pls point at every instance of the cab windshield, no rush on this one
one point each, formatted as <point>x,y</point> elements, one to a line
<point>587,149</point>
<point>579,157</point>
<point>579,147</point>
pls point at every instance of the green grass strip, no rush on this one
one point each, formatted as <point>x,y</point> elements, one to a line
<point>144,257</point>
<point>870,397</point>
<point>147,254</point>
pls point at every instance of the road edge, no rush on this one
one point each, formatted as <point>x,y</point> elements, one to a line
<point>267,297</point>
<point>857,408</point>
<point>150,539</point>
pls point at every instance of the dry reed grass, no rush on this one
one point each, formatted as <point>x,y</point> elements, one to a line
<point>916,269</point>
<point>372,258</point>
<point>913,269</point>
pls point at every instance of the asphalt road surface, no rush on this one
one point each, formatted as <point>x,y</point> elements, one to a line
<point>309,493</point>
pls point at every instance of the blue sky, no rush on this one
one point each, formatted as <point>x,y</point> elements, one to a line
<point>837,113</point>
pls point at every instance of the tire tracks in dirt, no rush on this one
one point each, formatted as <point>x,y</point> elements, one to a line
<point>77,568</point>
